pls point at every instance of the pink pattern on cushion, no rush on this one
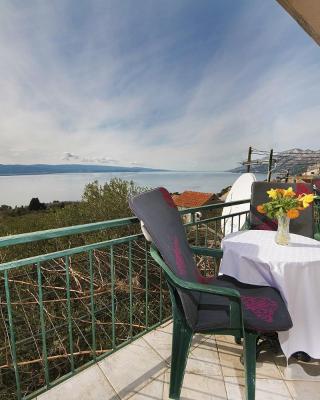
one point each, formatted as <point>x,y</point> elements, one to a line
<point>180,263</point>
<point>262,307</point>
<point>302,188</point>
<point>167,197</point>
<point>271,226</point>
<point>205,279</point>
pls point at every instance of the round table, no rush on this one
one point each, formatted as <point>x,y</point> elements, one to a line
<point>253,257</point>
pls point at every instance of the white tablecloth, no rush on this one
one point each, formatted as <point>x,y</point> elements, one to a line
<point>254,257</point>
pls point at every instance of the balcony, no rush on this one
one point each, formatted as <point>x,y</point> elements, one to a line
<point>85,315</point>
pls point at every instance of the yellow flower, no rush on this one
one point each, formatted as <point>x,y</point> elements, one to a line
<point>272,193</point>
<point>306,200</point>
<point>289,192</point>
<point>261,209</point>
<point>293,213</point>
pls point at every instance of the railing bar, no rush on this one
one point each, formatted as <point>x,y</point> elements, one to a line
<point>239,222</point>
<point>43,328</point>
<point>68,252</point>
<point>231,224</point>
<point>213,206</point>
<point>113,316</point>
<point>80,249</point>
<point>220,218</point>
<point>59,232</point>
<point>12,335</point>
<point>77,229</point>
<point>216,233</point>
<point>147,285</point>
<point>92,304</point>
<point>69,313</point>
<point>130,290</point>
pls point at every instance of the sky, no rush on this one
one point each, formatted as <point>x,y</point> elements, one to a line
<point>175,84</point>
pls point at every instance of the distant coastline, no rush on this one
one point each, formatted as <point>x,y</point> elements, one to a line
<point>46,169</point>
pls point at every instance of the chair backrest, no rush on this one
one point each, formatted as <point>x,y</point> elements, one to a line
<point>163,222</point>
<point>303,225</point>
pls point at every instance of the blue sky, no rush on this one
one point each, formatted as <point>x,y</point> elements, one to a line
<point>179,84</point>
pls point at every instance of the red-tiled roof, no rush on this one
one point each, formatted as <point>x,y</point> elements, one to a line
<point>192,199</point>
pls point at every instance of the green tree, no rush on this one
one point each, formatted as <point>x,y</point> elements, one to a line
<point>35,205</point>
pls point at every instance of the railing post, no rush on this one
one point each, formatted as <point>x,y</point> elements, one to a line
<point>43,327</point>
<point>130,290</point>
<point>249,159</point>
<point>70,334</point>
<point>93,317</point>
<point>12,335</point>
<point>113,311</point>
<point>147,285</point>
<point>270,165</point>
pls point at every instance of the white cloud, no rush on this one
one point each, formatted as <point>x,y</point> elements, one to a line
<point>110,105</point>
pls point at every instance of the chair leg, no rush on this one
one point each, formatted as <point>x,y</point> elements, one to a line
<point>238,340</point>
<point>181,340</point>
<point>250,340</point>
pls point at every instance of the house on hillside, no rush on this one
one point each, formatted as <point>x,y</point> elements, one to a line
<point>313,170</point>
<point>189,199</point>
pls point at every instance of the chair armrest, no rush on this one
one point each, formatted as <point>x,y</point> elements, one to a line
<point>206,251</point>
<point>191,285</point>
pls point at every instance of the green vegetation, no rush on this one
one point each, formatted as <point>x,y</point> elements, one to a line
<point>99,203</point>
<point>119,289</point>
<point>117,318</point>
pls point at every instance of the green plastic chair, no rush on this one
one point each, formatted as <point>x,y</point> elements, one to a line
<point>219,305</point>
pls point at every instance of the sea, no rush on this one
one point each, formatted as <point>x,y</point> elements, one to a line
<point>18,190</point>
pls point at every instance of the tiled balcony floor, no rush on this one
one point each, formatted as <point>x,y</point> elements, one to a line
<point>140,371</point>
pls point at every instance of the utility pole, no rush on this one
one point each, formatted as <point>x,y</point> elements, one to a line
<point>249,159</point>
<point>270,165</point>
<point>287,176</point>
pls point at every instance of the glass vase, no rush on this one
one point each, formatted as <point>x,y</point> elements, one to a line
<point>282,235</point>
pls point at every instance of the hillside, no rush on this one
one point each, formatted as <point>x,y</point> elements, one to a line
<point>295,160</point>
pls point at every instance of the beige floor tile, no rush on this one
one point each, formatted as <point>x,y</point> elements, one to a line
<point>161,341</point>
<point>196,387</point>
<point>204,359</point>
<point>302,390</point>
<point>90,384</point>
<point>266,389</point>
<point>166,327</point>
<point>139,372</point>
<point>153,391</point>
<point>132,367</point>
<point>230,352</point>
<point>299,370</point>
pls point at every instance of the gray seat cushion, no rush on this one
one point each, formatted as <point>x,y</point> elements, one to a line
<point>264,308</point>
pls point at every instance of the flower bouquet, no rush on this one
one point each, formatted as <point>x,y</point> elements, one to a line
<point>284,205</point>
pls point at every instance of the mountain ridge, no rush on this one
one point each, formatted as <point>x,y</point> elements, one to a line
<point>46,169</point>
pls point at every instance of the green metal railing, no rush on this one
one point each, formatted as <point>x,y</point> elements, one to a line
<point>64,310</point>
